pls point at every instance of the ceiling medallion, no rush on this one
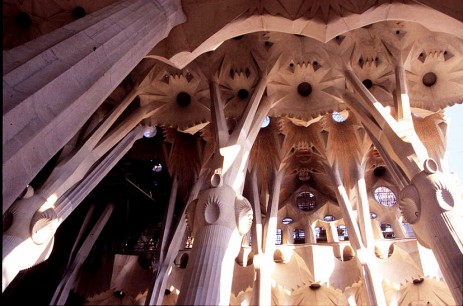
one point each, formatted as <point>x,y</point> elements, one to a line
<point>304,89</point>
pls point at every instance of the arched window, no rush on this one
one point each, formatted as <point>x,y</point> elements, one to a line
<point>298,236</point>
<point>287,220</point>
<point>342,233</point>
<point>385,196</point>
<point>306,201</point>
<point>278,238</point>
<point>189,242</point>
<point>387,230</point>
<point>320,234</point>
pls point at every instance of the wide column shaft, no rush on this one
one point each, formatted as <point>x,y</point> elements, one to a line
<point>434,206</point>
<point>265,261</point>
<point>448,252</point>
<point>17,238</point>
<point>209,273</point>
<point>53,84</point>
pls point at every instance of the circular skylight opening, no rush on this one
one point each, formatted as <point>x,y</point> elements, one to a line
<point>78,12</point>
<point>367,83</point>
<point>150,131</point>
<point>379,171</point>
<point>287,220</point>
<point>338,117</point>
<point>23,20</point>
<point>157,168</point>
<point>243,94</point>
<point>385,196</point>
<point>266,122</point>
<point>304,89</point>
<point>429,79</point>
<point>183,98</point>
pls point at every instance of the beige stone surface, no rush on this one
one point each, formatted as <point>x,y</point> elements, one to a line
<point>355,93</point>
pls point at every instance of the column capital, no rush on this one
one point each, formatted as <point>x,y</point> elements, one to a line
<point>214,206</point>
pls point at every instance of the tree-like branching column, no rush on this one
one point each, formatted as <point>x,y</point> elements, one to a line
<point>429,200</point>
<point>220,220</point>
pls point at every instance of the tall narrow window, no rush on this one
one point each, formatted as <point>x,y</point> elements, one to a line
<point>278,238</point>
<point>189,242</point>
<point>320,234</point>
<point>387,230</point>
<point>298,236</point>
<point>342,233</point>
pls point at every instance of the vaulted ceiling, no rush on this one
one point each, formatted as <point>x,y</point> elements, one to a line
<point>304,75</point>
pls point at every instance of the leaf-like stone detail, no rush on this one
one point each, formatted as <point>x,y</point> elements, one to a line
<point>410,204</point>
<point>43,225</point>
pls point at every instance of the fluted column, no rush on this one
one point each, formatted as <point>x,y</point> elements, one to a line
<point>429,200</point>
<point>264,263</point>
<point>35,219</point>
<point>221,218</point>
<point>365,256</point>
<point>435,209</point>
<point>53,84</point>
<point>156,294</point>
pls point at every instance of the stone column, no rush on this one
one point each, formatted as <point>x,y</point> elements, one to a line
<point>331,232</point>
<point>376,228</point>
<point>365,256</point>
<point>309,234</point>
<point>398,229</point>
<point>264,263</point>
<point>435,209</point>
<point>429,199</point>
<point>156,293</point>
<point>221,218</point>
<point>35,219</point>
<point>53,84</point>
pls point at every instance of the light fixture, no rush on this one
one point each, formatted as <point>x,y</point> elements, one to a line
<point>150,131</point>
